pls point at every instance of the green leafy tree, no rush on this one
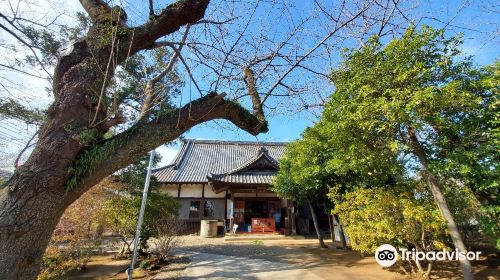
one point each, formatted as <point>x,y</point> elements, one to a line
<point>301,177</point>
<point>397,107</point>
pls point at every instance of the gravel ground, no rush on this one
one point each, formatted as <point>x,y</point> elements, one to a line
<point>174,270</point>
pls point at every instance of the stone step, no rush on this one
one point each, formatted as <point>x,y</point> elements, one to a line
<point>263,237</point>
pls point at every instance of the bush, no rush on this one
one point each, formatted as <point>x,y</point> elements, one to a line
<point>121,216</point>
<point>167,237</point>
<point>144,264</point>
<point>60,259</point>
<point>373,217</point>
<point>404,217</point>
<point>53,264</point>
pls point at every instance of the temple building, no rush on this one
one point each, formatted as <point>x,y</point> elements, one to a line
<point>231,181</point>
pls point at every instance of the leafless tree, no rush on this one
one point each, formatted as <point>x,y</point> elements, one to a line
<point>242,61</point>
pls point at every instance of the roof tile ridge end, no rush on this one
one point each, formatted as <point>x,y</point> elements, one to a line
<point>182,154</point>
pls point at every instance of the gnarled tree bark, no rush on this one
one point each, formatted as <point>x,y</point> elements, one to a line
<point>65,162</point>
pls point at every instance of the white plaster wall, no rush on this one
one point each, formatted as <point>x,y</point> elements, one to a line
<point>191,190</point>
<point>209,193</point>
<point>170,189</point>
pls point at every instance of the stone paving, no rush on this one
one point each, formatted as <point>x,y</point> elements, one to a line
<point>215,266</point>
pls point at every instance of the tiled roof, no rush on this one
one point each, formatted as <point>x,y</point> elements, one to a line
<point>245,178</point>
<point>225,161</point>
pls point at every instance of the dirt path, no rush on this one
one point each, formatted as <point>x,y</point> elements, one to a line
<point>295,259</point>
<point>270,259</point>
<point>304,255</point>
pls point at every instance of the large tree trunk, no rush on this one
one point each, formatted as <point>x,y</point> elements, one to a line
<point>435,188</point>
<point>316,225</point>
<point>66,162</point>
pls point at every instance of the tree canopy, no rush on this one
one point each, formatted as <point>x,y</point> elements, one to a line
<point>413,108</point>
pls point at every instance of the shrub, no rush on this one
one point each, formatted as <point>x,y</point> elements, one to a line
<point>373,217</point>
<point>167,237</point>
<point>60,259</point>
<point>144,264</point>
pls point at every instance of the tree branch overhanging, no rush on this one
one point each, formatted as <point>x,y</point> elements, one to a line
<point>133,143</point>
<point>168,21</point>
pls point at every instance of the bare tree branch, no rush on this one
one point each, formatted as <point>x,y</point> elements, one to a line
<point>365,8</point>
<point>168,21</point>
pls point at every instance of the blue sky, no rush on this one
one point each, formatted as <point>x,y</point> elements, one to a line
<point>477,20</point>
<point>478,41</point>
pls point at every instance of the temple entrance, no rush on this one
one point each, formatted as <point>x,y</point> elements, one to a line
<point>255,209</point>
<point>257,215</point>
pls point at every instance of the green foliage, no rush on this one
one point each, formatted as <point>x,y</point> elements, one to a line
<point>133,176</point>
<point>418,82</point>
<point>469,146</point>
<point>122,211</point>
<point>489,223</point>
<point>144,264</point>
<point>10,108</point>
<point>48,42</point>
<point>257,242</point>
<point>403,216</point>
<point>302,175</point>
<point>372,217</point>
<point>89,136</point>
<point>89,159</point>
<point>122,214</point>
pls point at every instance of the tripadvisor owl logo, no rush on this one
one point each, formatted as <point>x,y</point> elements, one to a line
<point>386,255</point>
